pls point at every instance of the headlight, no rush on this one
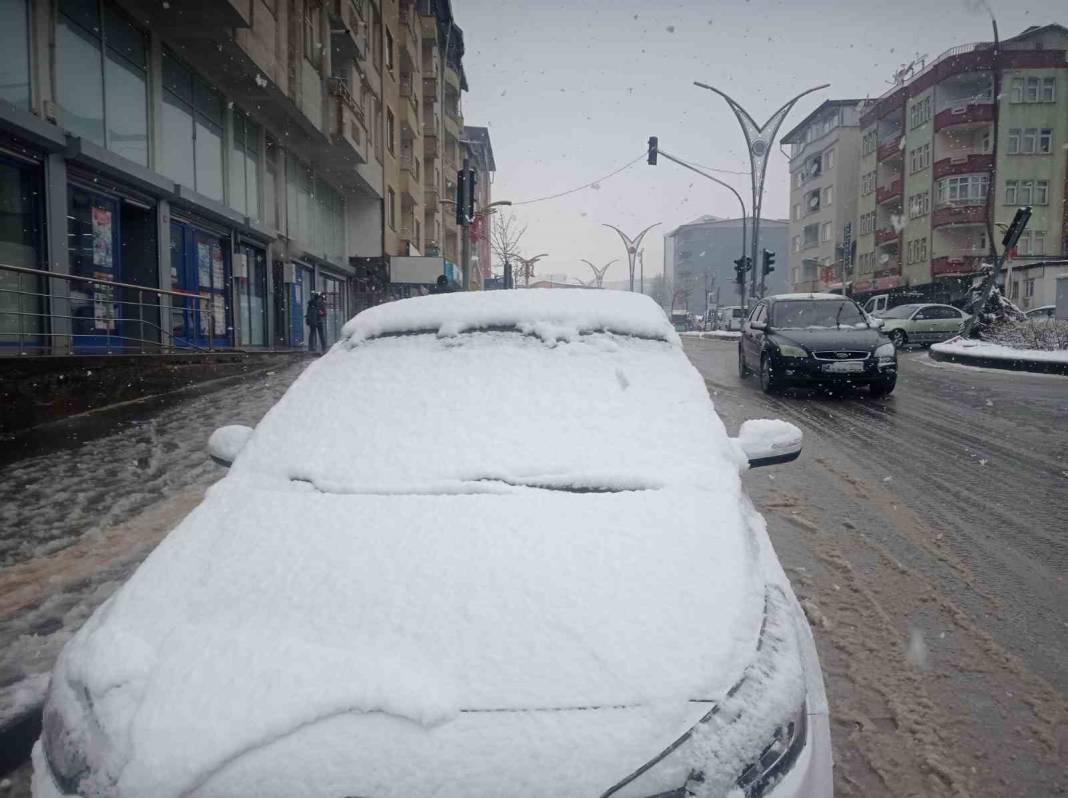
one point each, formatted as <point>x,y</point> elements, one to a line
<point>885,350</point>
<point>789,350</point>
<point>748,739</point>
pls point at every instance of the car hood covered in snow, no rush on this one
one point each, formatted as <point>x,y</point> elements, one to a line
<point>267,613</point>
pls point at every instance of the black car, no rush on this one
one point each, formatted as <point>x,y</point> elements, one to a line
<point>805,339</point>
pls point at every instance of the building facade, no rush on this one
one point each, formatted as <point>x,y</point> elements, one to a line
<point>479,152</point>
<point>974,135</point>
<point>824,156</point>
<point>235,155</point>
<point>699,261</point>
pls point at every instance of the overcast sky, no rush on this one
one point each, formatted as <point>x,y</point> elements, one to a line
<point>572,89</point>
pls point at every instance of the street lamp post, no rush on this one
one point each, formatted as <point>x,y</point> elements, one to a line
<point>528,265</point>
<point>632,245</point>
<point>598,274</point>
<point>758,139</point>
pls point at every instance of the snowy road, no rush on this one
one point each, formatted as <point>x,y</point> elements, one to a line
<point>924,534</point>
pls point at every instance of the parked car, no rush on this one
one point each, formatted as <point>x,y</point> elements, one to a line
<point>921,324</point>
<point>681,321</point>
<point>731,317</point>
<point>816,339</point>
<point>384,598</point>
<point>1043,313</point>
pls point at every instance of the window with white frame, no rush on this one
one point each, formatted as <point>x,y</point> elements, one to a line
<point>1029,288</point>
<point>1032,242</point>
<point>797,243</point>
<point>1027,192</point>
<point>916,251</point>
<point>870,142</point>
<point>1033,90</point>
<point>919,158</point>
<point>828,159</point>
<point>920,112</point>
<point>1030,141</point>
<point>828,195</point>
<point>867,223</point>
<point>826,232</point>
<point>867,183</point>
<point>919,204</point>
<point>963,189</point>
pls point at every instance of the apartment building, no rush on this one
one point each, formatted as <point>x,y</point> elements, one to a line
<point>699,261</point>
<point>824,156</point>
<point>479,152</point>
<point>234,155</point>
<point>976,133</point>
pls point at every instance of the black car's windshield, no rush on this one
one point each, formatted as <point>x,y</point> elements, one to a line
<point>801,313</point>
<point>900,312</point>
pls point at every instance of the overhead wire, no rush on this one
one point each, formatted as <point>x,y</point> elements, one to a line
<point>584,186</point>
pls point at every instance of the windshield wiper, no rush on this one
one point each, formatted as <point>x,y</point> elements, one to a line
<point>838,316</point>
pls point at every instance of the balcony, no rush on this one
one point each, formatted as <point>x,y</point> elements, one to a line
<point>411,35</point>
<point>431,198</point>
<point>431,146</point>
<point>431,123</point>
<point>452,77</point>
<point>428,28</point>
<point>453,125</point>
<point>890,149</point>
<point>888,193</point>
<point>963,164</point>
<point>351,40</point>
<point>347,123</point>
<point>965,114</point>
<point>886,236</point>
<point>959,214</point>
<point>949,265</point>
<point>888,269</point>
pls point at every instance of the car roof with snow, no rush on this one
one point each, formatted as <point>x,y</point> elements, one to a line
<point>781,297</point>
<point>621,312</point>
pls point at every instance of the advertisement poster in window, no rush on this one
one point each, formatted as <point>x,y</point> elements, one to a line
<point>102,255</point>
<point>218,270</point>
<point>103,303</point>
<point>204,265</point>
<point>218,312</point>
<point>205,311</point>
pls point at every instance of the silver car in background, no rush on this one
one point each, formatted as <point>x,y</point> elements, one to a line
<point>921,324</point>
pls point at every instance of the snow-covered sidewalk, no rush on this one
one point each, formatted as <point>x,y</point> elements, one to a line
<point>721,335</point>
<point>989,355</point>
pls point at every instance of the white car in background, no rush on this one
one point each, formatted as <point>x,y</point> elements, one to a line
<point>921,323</point>
<point>490,544</point>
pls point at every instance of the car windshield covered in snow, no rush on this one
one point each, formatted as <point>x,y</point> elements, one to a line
<point>794,314</point>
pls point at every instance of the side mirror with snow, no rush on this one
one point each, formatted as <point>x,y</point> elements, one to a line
<point>876,322</point>
<point>226,443</point>
<point>768,441</point>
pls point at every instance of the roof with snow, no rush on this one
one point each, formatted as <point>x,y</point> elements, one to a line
<point>621,312</point>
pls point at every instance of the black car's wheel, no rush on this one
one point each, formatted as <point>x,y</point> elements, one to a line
<point>769,383</point>
<point>743,370</point>
<point>899,338</point>
<point>883,387</point>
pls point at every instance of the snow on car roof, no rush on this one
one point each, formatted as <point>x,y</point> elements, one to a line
<point>807,296</point>
<point>529,310</point>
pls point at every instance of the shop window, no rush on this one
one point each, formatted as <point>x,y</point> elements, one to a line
<point>244,167</point>
<point>100,54</point>
<point>250,285</point>
<point>270,183</point>
<point>20,245</point>
<point>15,53</point>
<point>192,130</point>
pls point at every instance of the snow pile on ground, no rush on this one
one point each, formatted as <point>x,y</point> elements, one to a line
<point>968,347</point>
<point>537,311</point>
<point>419,413</point>
<point>766,437</point>
<point>1049,335</point>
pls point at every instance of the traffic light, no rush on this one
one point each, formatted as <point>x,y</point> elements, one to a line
<point>465,196</point>
<point>654,143</point>
<point>1019,223</point>
<point>741,266</point>
<point>769,262</point>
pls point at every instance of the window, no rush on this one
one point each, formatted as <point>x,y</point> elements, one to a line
<point>867,183</point>
<point>812,201</point>
<point>376,39</point>
<point>797,243</point>
<point>100,56</point>
<point>828,159</point>
<point>963,189</point>
<point>192,124</point>
<point>1029,288</point>
<point>811,235</point>
<point>312,41</point>
<point>1027,192</point>
<point>867,223</point>
<point>1015,294</point>
<point>869,143</point>
<point>1032,242</point>
<point>418,235</point>
<point>244,167</point>
<point>920,112</point>
<point>826,232</point>
<point>919,204</point>
<point>1030,141</point>
<point>920,159</point>
<point>828,195</point>
<point>390,130</point>
<point>389,50</point>
<point>391,208</point>
<point>797,210</point>
<point>15,53</point>
<point>916,251</point>
<point>377,127</point>
<point>1033,90</point>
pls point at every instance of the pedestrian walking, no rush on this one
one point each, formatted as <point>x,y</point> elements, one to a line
<point>314,317</point>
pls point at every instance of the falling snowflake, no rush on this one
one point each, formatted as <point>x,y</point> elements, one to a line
<point>261,81</point>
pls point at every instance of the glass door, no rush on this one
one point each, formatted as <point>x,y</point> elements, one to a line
<point>251,290</point>
<point>200,268</point>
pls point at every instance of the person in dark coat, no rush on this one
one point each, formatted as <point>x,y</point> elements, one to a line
<point>314,317</point>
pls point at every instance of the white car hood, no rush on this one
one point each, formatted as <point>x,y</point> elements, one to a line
<point>268,611</point>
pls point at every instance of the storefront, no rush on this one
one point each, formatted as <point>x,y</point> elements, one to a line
<point>250,288</point>
<point>200,268</point>
<point>21,244</point>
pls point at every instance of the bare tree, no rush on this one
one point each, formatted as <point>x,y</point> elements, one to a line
<point>505,234</point>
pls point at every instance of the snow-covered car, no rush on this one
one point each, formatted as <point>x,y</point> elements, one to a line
<point>921,324</point>
<point>1043,313</point>
<point>489,544</point>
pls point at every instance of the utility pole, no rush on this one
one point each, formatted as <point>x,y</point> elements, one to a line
<point>1008,243</point>
<point>758,139</point>
<point>641,266</point>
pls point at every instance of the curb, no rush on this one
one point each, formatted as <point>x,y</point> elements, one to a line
<point>17,739</point>
<point>1032,366</point>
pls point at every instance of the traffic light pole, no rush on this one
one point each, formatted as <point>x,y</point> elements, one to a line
<point>465,224</point>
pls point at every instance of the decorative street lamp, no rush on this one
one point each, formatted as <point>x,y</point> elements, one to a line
<point>759,139</point>
<point>528,265</point>
<point>632,247</point>
<point>598,274</point>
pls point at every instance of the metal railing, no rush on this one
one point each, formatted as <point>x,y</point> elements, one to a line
<point>34,309</point>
